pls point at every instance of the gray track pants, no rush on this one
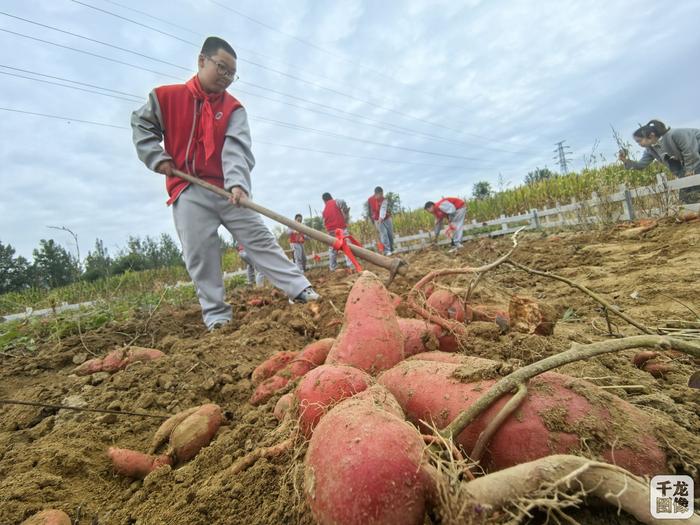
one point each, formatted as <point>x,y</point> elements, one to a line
<point>457,220</point>
<point>386,234</point>
<point>299,255</point>
<point>198,213</point>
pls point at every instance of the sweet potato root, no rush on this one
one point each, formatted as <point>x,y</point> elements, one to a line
<point>324,386</point>
<point>309,358</point>
<point>163,433</point>
<point>48,517</point>
<point>118,359</point>
<point>363,466</point>
<point>530,316</point>
<point>195,432</point>
<point>555,416</point>
<point>272,365</point>
<point>370,338</point>
<point>446,305</point>
<point>283,406</point>
<point>133,464</point>
<point>419,336</point>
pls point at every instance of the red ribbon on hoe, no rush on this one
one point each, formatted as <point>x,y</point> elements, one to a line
<point>341,243</point>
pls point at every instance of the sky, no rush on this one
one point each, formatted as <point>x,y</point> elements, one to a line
<point>422,97</point>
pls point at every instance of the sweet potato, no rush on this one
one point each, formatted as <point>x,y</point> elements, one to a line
<point>89,367</point>
<point>163,433</point>
<point>48,517</point>
<point>283,405</point>
<point>140,354</point>
<point>446,305</point>
<point>195,432</point>
<point>268,388</point>
<point>555,416</point>
<point>640,358</point>
<point>657,369</point>
<point>370,338</point>
<point>113,361</point>
<point>363,466</point>
<point>272,365</point>
<point>118,359</point>
<point>309,358</point>
<point>418,336</point>
<point>324,386</point>
<point>530,316</point>
<point>447,342</point>
<point>133,464</point>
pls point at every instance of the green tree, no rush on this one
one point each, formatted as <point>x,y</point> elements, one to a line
<point>53,265</point>
<point>98,263</point>
<point>15,272</point>
<point>315,222</point>
<point>481,190</point>
<point>539,174</point>
<point>170,253</point>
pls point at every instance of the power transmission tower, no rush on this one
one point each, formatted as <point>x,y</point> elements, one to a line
<point>560,155</point>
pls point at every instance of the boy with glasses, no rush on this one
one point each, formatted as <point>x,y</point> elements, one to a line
<point>205,133</point>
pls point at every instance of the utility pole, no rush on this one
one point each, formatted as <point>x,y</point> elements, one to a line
<point>560,155</point>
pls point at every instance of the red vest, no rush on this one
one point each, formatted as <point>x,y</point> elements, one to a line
<point>296,237</point>
<point>333,217</point>
<point>374,206</point>
<point>180,128</point>
<point>458,203</point>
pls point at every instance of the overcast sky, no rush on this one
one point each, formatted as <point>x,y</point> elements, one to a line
<point>460,90</point>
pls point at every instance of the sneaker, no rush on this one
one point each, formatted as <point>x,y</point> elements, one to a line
<point>307,296</point>
<point>218,325</point>
<point>388,253</point>
<point>455,248</point>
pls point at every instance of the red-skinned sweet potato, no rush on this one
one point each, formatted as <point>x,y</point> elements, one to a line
<point>133,464</point>
<point>556,414</point>
<point>324,386</point>
<point>363,466</point>
<point>446,304</point>
<point>140,354</point>
<point>283,406</point>
<point>89,367</point>
<point>640,358</point>
<point>195,431</point>
<point>309,358</point>
<point>163,433</point>
<point>113,360</point>
<point>48,517</point>
<point>419,336</point>
<point>370,338</point>
<point>272,365</point>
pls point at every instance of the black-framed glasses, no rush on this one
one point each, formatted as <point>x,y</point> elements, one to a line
<point>223,71</point>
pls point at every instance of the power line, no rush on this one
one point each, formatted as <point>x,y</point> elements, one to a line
<point>70,87</point>
<point>301,40</point>
<point>68,119</point>
<point>280,123</point>
<point>373,104</point>
<point>303,148</point>
<point>91,54</point>
<point>405,130</point>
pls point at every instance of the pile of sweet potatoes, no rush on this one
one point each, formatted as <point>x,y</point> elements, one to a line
<point>367,409</point>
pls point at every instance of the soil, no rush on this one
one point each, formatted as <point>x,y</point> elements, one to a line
<point>56,459</point>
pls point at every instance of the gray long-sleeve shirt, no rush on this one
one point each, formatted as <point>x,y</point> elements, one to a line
<point>448,209</point>
<point>236,157</point>
<point>681,145</point>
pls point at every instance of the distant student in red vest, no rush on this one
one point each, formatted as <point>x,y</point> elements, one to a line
<point>296,241</point>
<point>336,216</point>
<point>381,216</point>
<point>204,131</point>
<point>452,209</point>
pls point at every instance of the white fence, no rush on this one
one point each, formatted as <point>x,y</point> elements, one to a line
<point>624,205</point>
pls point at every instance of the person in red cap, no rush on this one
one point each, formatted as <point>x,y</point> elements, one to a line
<point>455,211</point>
<point>381,216</point>
<point>336,215</point>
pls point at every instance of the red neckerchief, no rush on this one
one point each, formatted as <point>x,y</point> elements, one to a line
<point>206,119</point>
